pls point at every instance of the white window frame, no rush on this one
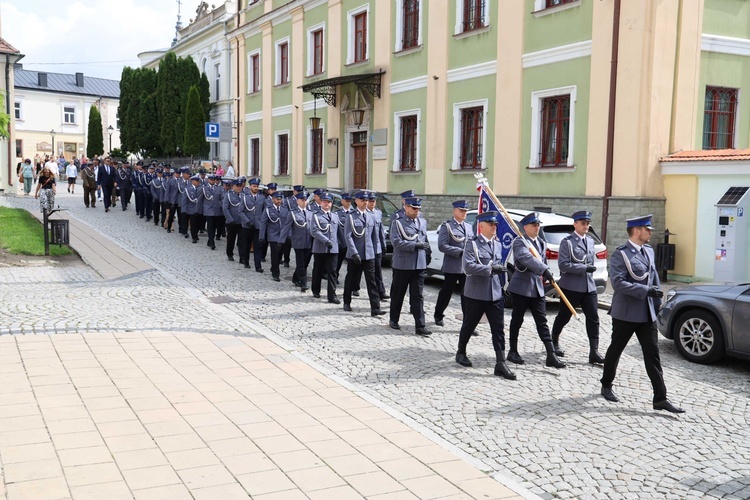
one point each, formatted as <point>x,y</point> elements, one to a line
<point>217,82</point>
<point>250,80</point>
<point>311,49</point>
<point>400,26</point>
<point>308,169</point>
<point>276,158</point>
<point>277,51</point>
<point>350,29</point>
<point>397,138</point>
<point>536,122</point>
<point>19,103</point>
<point>64,114</point>
<point>250,154</point>
<point>539,5</point>
<point>457,108</point>
<point>460,18</point>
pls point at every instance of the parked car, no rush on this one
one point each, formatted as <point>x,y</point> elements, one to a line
<point>707,322</point>
<point>554,228</point>
<point>382,202</point>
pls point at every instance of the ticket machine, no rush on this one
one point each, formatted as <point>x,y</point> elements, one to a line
<point>730,257</point>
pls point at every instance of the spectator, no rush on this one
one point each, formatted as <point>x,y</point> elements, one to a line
<point>46,190</point>
<point>52,166</point>
<point>71,172</point>
<point>230,169</point>
<point>219,170</point>
<point>27,176</point>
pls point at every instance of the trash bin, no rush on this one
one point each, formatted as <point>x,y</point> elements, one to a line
<point>665,256</point>
<point>59,232</point>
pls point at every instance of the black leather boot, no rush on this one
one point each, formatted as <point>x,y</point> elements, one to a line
<point>555,343</point>
<point>552,358</point>
<point>501,369</point>
<point>513,355</point>
<point>594,356</point>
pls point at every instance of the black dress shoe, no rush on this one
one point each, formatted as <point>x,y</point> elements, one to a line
<point>303,289</point>
<point>463,360</point>
<point>420,330</point>
<point>316,295</point>
<point>347,307</point>
<point>187,235</point>
<point>276,278</point>
<point>195,240</point>
<point>213,247</point>
<point>439,322</point>
<point>247,266</point>
<point>286,264</point>
<point>230,258</point>
<point>595,357</point>
<point>516,358</point>
<point>553,362</point>
<point>609,395</point>
<point>475,334</point>
<point>106,210</point>
<point>334,300</point>
<point>355,293</point>
<point>502,370</point>
<point>259,270</point>
<point>666,405</point>
<point>558,351</point>
<point>377,312</point>
<point>385,297</point>
<point>394,325</point>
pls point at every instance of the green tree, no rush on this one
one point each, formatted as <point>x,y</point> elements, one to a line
<point>168,101</point>
<point>205,90</point>
<point>194,143</point>
<point>149,126</point>
<point>126,97</point>
<point>95,144</point>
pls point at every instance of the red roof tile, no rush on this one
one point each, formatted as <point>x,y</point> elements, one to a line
<point>708,155</point>
<point>6,48</point>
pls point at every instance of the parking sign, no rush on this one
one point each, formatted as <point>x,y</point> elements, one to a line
<point>212,132</point>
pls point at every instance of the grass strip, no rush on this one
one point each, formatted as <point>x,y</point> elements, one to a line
<point>22,234</point>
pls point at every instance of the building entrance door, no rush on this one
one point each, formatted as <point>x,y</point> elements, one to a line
<point>359,147</point>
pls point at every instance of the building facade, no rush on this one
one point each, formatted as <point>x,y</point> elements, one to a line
<point>9,56</point>
<point>51,113</point>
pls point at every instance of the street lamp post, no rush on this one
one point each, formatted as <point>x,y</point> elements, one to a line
<point>110,130</point>
<point>52,147</point>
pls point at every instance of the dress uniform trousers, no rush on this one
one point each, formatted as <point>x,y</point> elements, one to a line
<point>302,260</point>
<point>233,232</point>
<point>588,302</point>
<point>414,281</point>
<point>473,310</point>
<point>446,292</point>
<point>325,263</point>
<point>353,278</point>
<point>538,310</point>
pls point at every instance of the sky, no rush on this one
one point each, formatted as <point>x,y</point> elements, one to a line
<point>94,37</point>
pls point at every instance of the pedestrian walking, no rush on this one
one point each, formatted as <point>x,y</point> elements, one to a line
<point>636,301</point>
<point>46,190</point>
<point>106,179</point>
<point>576,260</point>
<point>26,176</point>
<point>71,172</point>
<point>88,179</point>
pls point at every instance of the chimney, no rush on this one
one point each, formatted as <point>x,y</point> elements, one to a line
<point>79,79</point>
<point>42,79</point>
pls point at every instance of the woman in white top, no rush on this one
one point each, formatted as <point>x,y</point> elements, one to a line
<point>71,172</point>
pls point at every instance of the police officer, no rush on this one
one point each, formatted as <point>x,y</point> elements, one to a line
<point>411,252</point>
<point>159,196</point>
<point>231,208</point>
<point>137,187</point>
<point>182,217</point>
<point>576,259</point>
<point>290,202</point>
<point>124,180</point>
<point>193,204</point>
<point>211,208</point>
<point>271,188</point>
<point>171,198</point>
<point>343,212</point>
<point>271,225</point>
<point>401,211</point>
<point>147,195</point>
<point>380,248</point>
<point>314,205</point>
<point>452,237</point>
<point>296,229</point>
<point>225,185</point>
<point>636,301</point>
<point>527,288</point>
<point>483,291</point>
<point>325,247</point>
<point>253,203</point>
<point>361,241</point>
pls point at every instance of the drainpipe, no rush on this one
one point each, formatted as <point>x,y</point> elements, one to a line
<point>611,120</point>
<point>7,110</point>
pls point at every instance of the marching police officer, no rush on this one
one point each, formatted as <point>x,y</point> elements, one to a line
<point>271,225</point>
<point>527,288</point>
<point>361,241</point>
<point>483,291</point>
<point>411,251</point>
<point>211,208</point>
<point>343,212</point>
<point>159,196</point>
<point>314,205</point>
<point>296,229</point>
<point>182,216</point>
<point>253,204</point>
<point>452,238</point>
<point>194,197</point>
<point>324,230</point>
<point>137,187</point>
<point>230,206</point>
<point>172,198</point>
<point>636,301</point>
<point>124,180</point>
<point>148,198</point>
<point>576,259</point>
<point>380,248</point>
<point>290,202</point>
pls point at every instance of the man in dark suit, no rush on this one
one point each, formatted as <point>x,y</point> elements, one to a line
<point>106,179</point>
<point>635,303</point>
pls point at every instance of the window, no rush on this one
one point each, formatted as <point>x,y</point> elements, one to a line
<point>217,84</point>
<point>282,153</point>
<point>253,77</point>
<point>357,34</point>
<point>555,3</point>
<point>316,151</point>
<point>472,131</point>
<point>473,15</point>
<point>315,58</point>
<point>17,110</point>
<point>719,118</point>
<point>282,62</point>
<point>553,126</point>
<point>69,115</point>
<point>406,140</point>
<point>254,156</point>
<point>117,121</point>
<point>410,31</point>
<point>19,148</point>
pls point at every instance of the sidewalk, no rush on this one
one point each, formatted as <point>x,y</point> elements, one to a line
<point>174,415</point>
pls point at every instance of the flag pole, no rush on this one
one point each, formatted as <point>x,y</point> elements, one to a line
<point>483,181</point>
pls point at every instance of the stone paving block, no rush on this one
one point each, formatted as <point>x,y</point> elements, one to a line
<point>171,492</point>
<point>338,493</point>
<point>405,468</point>
<point>230,447</point>
<point>31,471</point>
<point>85,456</point>
<point>269,481</point>
<point>225,492</point>
<point>27,453</point>
<point>203,477</point>
<point>68,426</point>
<point>83,475</point>
<point>245,464</point>
<point>26,436</point>
<point>151,477</point>
<point>40,489</point>
<point>187,459</point>
<point>295,460</point>
<point>139,459</point>
<point>111,491</point>
<point>374,483</point>
<point>73,440</point>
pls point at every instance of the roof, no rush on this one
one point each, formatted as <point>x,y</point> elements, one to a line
<point>62,83</point>
<point>6,48</point>
<point>708,155</point>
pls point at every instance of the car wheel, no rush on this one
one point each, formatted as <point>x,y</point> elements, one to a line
<point>698,337</point>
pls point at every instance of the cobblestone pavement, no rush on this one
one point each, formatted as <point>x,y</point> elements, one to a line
<point>550,431</point>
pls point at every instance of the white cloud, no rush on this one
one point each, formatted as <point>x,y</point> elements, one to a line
<point>109,32</point>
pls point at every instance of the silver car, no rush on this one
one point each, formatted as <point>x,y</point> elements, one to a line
<point>707,322</point>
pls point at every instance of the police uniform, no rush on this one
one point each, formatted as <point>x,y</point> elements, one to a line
<point>452,238</point>
<point>159,196</point>
<point>483,291</point>
<point>224,188</point>
<point>380,247</point>
<point>290,202</point>
<point>271,225</point>
<point>400,212</point>
<point>230,206</point>
<point>325,248</point>
<point>172,197</point>
<point>135,180</point>
<point>182,216</point>
<point>527,287</point>
<point>576,258</point>
<point>124,180</point>
<point>361,241</point>
<point>267,203</point>
<point>635,303</point>
<point>193,204</point>
<point>148,200</point>
<point>342,214</point>
<point>252,207</point>
<point>411,251</point>
<point>296,230</point>
<point>211,209</point>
